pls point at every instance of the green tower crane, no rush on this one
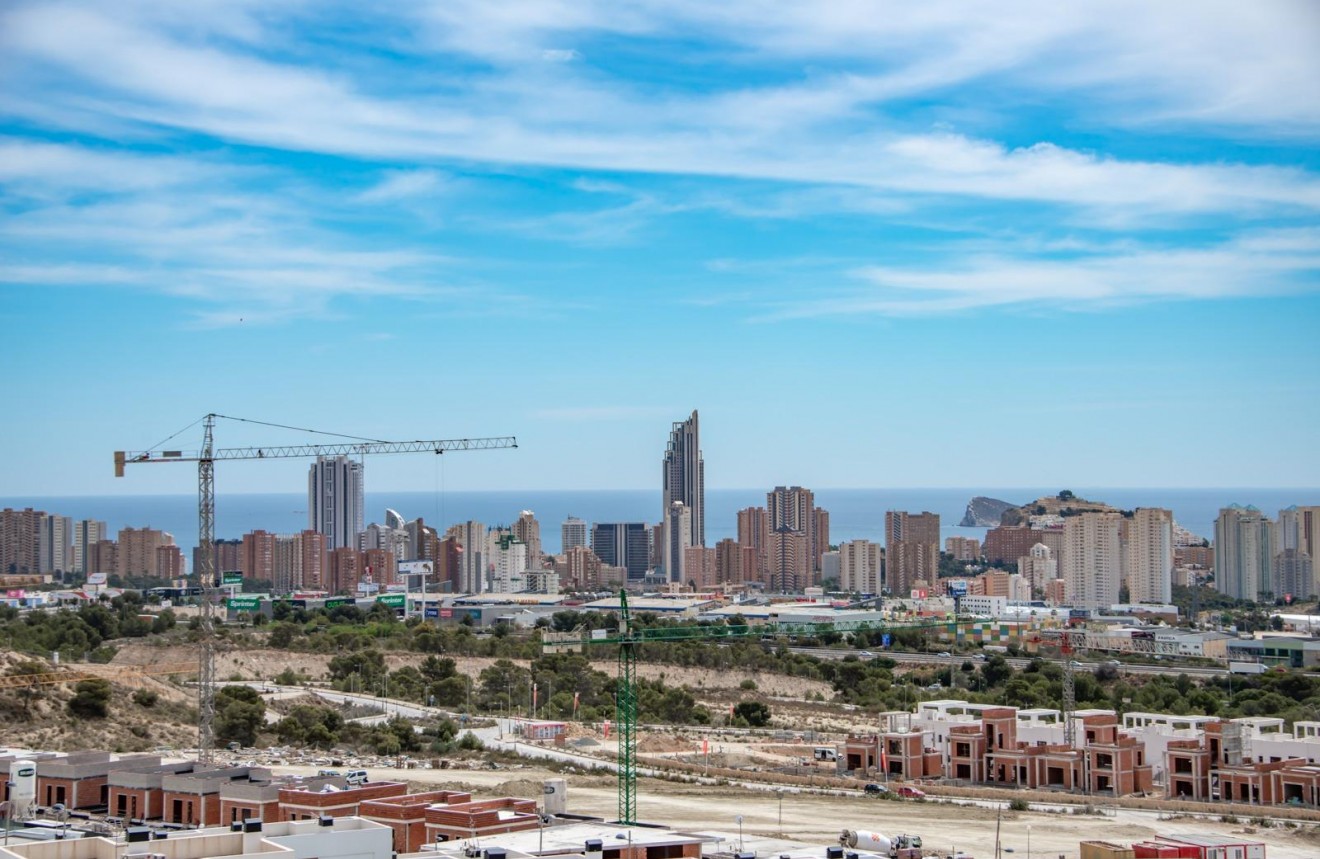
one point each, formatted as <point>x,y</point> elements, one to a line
<point>627,639</point>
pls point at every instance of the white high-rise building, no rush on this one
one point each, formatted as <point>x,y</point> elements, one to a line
<point>678,536</point>
<point>86,533</point>
<point>860,564</point>
<point>1244,552</point>
<point>572,533</point>
<point>508,563</point>
<point>683,476</point>
<point>335,500</point>
<point>1148,556</point>
<point>1092,559</point>
<point>471,538</point>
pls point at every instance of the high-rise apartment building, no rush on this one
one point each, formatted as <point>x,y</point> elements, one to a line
<point>86,533</point>
<point>820,543</point>
<point>257,556</point>
<point>683,475</point>
<point>1148,556</point>
<point>302,562</point>
<point>573,532</point>
<point>528,530</point>
<point>1038,567</point>
<point>20,540</point>
<point>1308,531</point>
<point>912,550</point>
<point>335,500</point>
<point>508,561</point>
<point>471,537</point>
<point>790,561</point>
<point>1091,566</point>
<point>754,534</point>
<point>678,537</point>
<point>735,564</point>
<point>1294,575</point>
<point>102,557</point>
<point>966,549</point>
<point>228,556</point>
<point>137,552</point>
<point>581,568</point>
<point>56,544</point>
<point>1244,553</point>
<point>699,568</point>
<point>623,544</point>
<point>861,567</point>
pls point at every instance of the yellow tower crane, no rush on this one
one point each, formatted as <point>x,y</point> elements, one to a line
<point>206,572</point>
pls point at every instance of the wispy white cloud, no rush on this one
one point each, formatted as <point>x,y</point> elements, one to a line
<point>822,129</point>
<point>405,184</point>
<point>1255,265</point>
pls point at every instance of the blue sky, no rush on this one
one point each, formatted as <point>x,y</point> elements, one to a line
<point>875,244</point>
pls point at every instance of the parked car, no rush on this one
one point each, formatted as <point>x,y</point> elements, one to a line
<point>911,792</point>
<point>875,789</point>
<point>944,654</point>
<point>866,654</point>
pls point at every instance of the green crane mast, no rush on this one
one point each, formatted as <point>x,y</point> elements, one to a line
<point>627,639</point>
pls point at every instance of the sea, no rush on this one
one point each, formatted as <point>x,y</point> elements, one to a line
<point>854,513</point>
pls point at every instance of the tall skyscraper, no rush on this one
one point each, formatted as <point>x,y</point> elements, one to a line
<point>683,475</point>
<point>623,544</point>
<point>1149,556</point>
<point>335,500</point>
<point>912,550</point>
<point>572,533</point>
<point>1244,552</point>
<point>1092,559</point>
<point>528,530</point>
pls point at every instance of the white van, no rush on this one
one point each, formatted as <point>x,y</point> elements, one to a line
<point>356,777</point>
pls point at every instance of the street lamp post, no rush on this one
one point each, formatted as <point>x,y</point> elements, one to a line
<point>740,840</point>
<point>1028,841</point>
<point>781,812</point>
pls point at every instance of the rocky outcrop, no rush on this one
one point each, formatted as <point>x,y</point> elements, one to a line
<point>984,512</point>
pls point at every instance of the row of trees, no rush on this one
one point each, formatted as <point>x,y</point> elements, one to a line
<point>75,632</point>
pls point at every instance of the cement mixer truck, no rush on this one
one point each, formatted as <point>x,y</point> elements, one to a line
<point>898,847</point>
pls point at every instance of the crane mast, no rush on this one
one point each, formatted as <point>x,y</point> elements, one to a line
<point>629,636</point>
<point>207,577</point>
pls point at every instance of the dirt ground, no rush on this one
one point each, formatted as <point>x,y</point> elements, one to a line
<point>816,820</point>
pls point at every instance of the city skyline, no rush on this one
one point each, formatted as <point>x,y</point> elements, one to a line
<point>1051,268</point>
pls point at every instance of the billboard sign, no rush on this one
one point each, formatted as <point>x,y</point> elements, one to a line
<point>243,603</point>
<point>393,600</point>
<point>334,601</point>
<point>958,588</point>
<point>432,612</point>
<point>416,568</point>
<point>231,577</point>
<point>97,579</point>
